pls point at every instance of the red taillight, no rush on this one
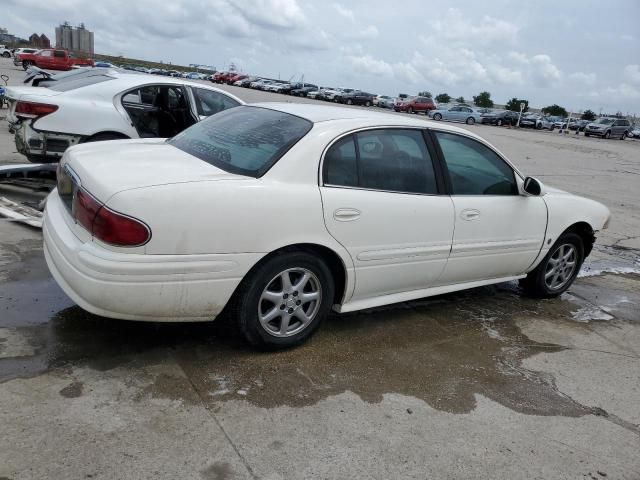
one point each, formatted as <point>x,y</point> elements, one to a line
<point>85,208</point>
<point>106,225</point>
<point>34,110</point>
<point>117,229</point>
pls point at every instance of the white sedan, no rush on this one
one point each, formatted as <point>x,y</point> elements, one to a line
<point>96,106</point>
<point>280,212</point>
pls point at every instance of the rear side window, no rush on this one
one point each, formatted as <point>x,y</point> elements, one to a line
<point>209,102</point>
<point>58,53</point>
<point>394,160</point>
<point>475,169</point>
<point>72,84</point>
<point>244,140</point>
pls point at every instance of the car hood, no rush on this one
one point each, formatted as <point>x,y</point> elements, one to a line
<point>106,168</point>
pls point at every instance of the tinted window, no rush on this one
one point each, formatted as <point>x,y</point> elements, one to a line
<point>243,140</point>
<point>72,84</point>
<point>475,169</point>
<point>391,160</point>
<point>58,54</point>
<point>209,102</point>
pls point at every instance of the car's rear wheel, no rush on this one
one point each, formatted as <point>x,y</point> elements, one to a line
<point>26,64</point>
<point>499,122</point>
<point>623,136</point>
<point>284,300</point>
<point>409,110</point>
<point>607,134</point>
<point>539,126</point>
<point>471,121</point>
<point>558,269</point>
<point>437,116</point>
<point>586,134</point>
<point>6,54</point>
<point>367,103</point>
<point>349,101</point>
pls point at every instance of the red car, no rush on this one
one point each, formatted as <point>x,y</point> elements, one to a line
<point>415,105</point>
<point>52,59</point>
<point>235,77</point>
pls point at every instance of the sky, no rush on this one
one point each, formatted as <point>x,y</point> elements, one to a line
<point>578,54</point>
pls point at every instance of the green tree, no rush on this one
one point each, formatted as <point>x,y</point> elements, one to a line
<point>460,99</point>
<point>443,98</point>
<point>555,110</point>
<point>425,94</point>
<point>514,104</point>
<point>483,99</point>
<point>588,115</point>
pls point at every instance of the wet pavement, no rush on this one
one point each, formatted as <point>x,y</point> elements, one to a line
<point>450,352</point>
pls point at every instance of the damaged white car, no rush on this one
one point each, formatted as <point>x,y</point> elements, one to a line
<point>280,212</point>
<point>107,106</point>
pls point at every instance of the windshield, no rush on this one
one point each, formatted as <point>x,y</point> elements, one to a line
<point>243,140</point>
<point>605,121</point>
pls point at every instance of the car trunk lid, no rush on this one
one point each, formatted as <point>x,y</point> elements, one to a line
<point>106,168</point>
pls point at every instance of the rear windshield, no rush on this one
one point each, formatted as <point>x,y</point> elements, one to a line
<point>77,82</point>
<point>243,140</point>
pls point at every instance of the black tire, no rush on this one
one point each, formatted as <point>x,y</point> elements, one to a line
<point>42,159</point>
<point>6,54</point>
<point>623,136</point>
<point>499,122</point>
<point>409,110</point>
<point>349,101</point>
<point>539,126</point>
<point>535,285</point>
<point>26,64</point>
<point>246,300</point>
<point>102,137</point>
<point>607,134</point>
<point>367,103</point>
<point>437,116</point>
<point>470,121</point>
<point>586,134</point>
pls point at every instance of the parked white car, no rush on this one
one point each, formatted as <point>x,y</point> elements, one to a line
<point>457,113</point>
<point>281,212</point>
<point>108,107</point>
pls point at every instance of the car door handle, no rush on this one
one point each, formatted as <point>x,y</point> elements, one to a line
<point>346,214</point>
<point>469,214</point>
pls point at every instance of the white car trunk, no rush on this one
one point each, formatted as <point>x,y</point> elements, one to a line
<point>106,168</point>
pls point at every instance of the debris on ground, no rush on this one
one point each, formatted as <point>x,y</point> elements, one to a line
<point>20,213</point>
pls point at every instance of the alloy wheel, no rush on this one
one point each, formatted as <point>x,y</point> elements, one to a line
<point>290,302</point>
<point>561,266</point>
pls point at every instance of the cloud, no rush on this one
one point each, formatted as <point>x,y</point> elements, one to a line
<point>588,79</point>
<point>344,11</point>
<point>271,14</point>
<point>455,27</point>
<point>544,71</point>
<point>371,66</point>
<point>632,73</point>
<point>367,33</point>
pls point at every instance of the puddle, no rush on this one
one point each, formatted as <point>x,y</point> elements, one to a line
<point>444,350</point>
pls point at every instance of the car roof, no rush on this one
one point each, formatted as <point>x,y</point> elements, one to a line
<point>326,113</point>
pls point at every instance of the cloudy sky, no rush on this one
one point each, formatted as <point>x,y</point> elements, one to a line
<point>579,54</point>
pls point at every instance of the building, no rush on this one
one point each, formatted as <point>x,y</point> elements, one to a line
<point>76,39</point>
<point>39,41</point>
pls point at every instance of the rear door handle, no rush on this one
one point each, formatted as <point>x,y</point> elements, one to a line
<point>346,214</point>
<point>469,214</point>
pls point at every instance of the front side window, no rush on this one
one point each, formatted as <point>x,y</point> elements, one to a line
<point>475,169</point>
<point>393,160</point>
<point>244,140</point>
<point>209,102</point>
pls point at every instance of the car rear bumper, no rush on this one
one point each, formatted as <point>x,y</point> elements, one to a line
<point>133,286</point>
<point>40,143</point>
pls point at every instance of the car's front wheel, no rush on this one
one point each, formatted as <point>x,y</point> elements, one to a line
<point>409,110</point>
<point>607,134</point>
<point>437,116</point>
<point>471,121</point>
<point>26,64</point>
<point>559,268</point>
<point>499,122</point>
<point>6,54</point>
<point>623,136</point>
<point>284,300</point>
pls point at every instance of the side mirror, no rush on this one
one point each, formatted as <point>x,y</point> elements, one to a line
<point>533,186</point>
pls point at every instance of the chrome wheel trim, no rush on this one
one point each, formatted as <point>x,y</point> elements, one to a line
<point>289,302</point>
<point>561,266</point>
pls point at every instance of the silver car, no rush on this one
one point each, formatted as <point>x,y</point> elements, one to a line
<point>607,127</point>
<point>459,113</point>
